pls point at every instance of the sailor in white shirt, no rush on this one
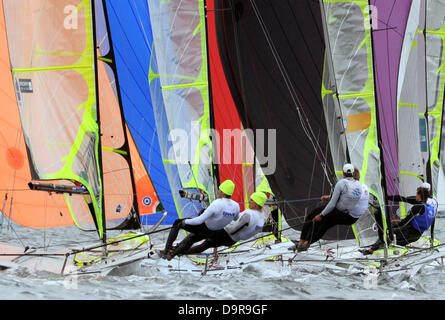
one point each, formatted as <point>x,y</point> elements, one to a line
<point>348,202</point>
<point>220,213</point>
<point>249,223</point>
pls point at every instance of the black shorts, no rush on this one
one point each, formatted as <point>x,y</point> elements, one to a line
<point>220,238</point>
<point>200,229</point>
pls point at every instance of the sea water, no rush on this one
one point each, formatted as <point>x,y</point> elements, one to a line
<point>253,283</point>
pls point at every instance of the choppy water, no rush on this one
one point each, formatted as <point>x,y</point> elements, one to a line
<point>253,283</point>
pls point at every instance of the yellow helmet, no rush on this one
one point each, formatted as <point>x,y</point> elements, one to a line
<point>227,187</point>
<point>259,198</point>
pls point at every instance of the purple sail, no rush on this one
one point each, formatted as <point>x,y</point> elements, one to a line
<point>388,34</point>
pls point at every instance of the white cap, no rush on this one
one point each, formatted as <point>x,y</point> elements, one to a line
<point>426,185</point>
<point>348,168</point>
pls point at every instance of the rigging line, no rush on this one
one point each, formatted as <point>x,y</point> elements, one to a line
<point>10,227</point>
<point>254,239</point>
<point>62,244</point>
<point>14,177</point>
<point>294,201</point>
<point>141,25</point>
<point>332,156</point>
<point>294,135</point>
<point>391,166</point>
<point>2,215</point>
<point>312,176</point>
<point>122,240</point>
<point>75,251</point>
<point>263,236</point>
<point>305,125</point>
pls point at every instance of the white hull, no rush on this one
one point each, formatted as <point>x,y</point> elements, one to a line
<point>66,261</point>
<point>277,257</point>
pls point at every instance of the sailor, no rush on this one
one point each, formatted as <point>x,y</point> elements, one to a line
<point>220,213</point>
<point>249,223</point>
<point>426,186</point>
<point>272,223</point>
<point>363,204</point>
<point>347,203</point>
<point>418,220</point>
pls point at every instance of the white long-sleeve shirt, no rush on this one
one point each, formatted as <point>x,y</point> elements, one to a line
<point>220,213</point>
<point>347,193</point>
<point>250,222</point>
<point>362,206</point>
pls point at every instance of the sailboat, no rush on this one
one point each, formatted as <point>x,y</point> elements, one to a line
<point>312,70</point>
<point>343,81</point>
<point>70,154</point>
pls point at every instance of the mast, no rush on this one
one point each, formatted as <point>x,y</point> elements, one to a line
<point>428,164</point>
<point>104,237</point>
<point>382,165</point>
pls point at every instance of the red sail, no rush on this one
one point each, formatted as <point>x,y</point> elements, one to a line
<point>233,162</point>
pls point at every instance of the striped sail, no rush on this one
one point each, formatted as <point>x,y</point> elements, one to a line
<point>119,192</point>
<point>132,42</point>
<point>273,54</point>
<point>17,201</point>
<point>348,96</point>
<point>435,71</point>
<point>180,45</point>
<point>389,27</point>
<point>412,128</point>
<point>51,49</point>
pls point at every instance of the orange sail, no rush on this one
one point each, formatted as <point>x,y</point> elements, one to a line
<point>29,208</point>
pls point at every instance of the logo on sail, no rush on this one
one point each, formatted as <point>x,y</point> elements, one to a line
<point>118,208</point>
<point>146,201</point>
<point>25,86</point>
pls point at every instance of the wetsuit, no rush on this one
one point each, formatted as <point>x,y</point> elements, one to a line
<point>249,223</point>
<point>215,217</point>
<point>344,208</point>
<point>410,229</point>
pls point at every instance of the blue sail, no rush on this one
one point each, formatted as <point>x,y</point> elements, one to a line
<point>132,42</point>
